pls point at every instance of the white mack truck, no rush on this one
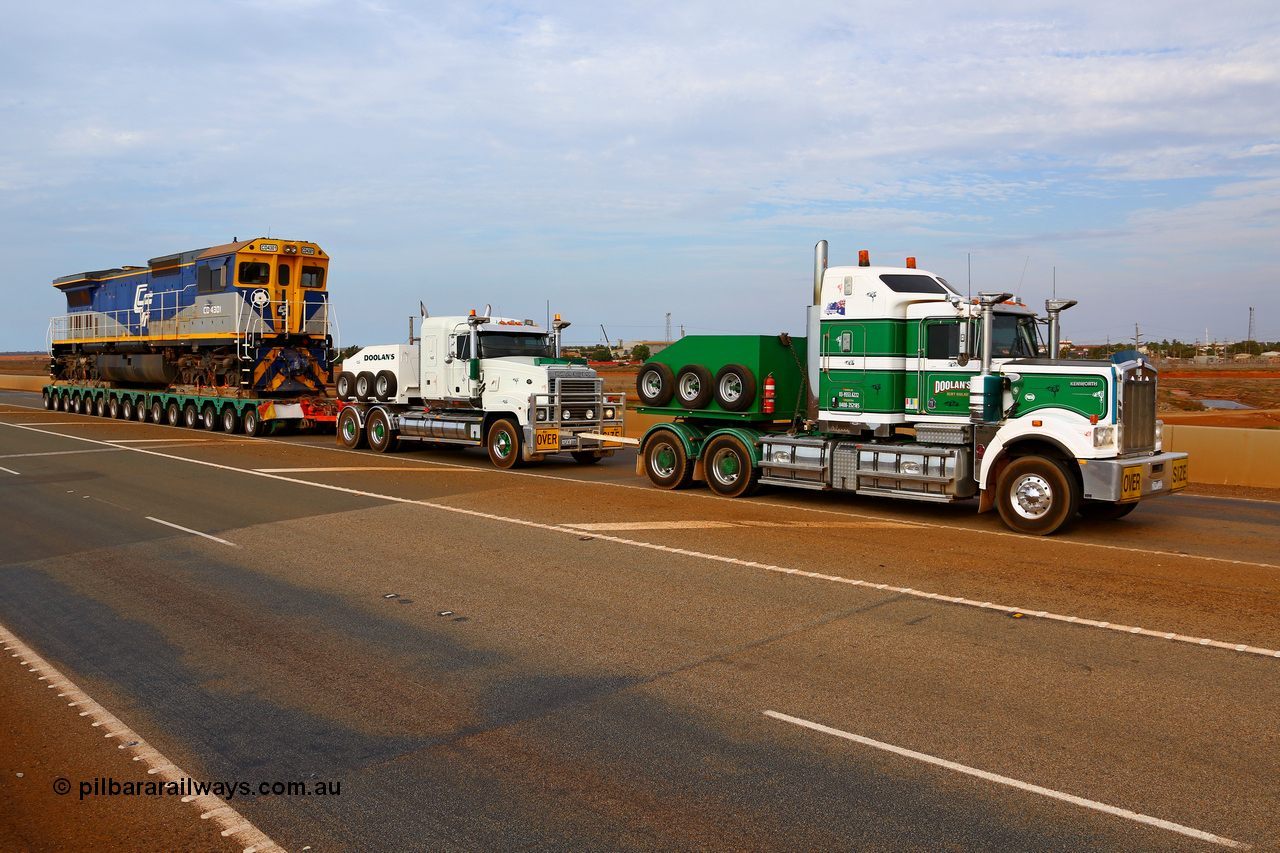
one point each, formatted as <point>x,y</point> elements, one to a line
<point>478,380</point>
<point>904,388</point>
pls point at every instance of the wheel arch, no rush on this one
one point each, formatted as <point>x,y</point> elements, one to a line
<point>1027,445</point>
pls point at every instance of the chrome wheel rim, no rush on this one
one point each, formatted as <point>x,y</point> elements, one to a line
<point>1032,497</point>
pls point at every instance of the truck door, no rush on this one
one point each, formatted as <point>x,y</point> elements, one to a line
<point>942,381</point>
<point>457,376</point>
<point>843,368</point>
<point>430,375</point>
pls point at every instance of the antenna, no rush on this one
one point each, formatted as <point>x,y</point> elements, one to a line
<point>969,255</point>
<point>1017,295</point>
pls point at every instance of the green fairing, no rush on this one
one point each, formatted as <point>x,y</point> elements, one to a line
<point>867,391</point>
<point>1085,394</point>
<point>873,338</point>
<point>749,437</point>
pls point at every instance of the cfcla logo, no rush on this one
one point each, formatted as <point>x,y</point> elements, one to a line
<point>142,304</point>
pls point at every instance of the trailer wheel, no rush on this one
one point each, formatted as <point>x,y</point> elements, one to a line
<point>665,461</point>
<point>384,385</point>
<point>173,413</point>
<point>230,420</point>
<point>99,405</point>
<point>140,409</point>
<point>504,443</point>
<point>730,472</point>
<point>113,408</point>
<point>49,400</point>
<point>1035,495</point>
<point>1104,511</point>
<point>76,404</point>
<point>381,437</point>
<point>364,385</point>
<point>126,409</point>
<point>585,457</point>
<point>655,384</point>
<point>209,418</point>
<point>694,387</point>
<point>735,387</point>
<point>191,416</point>
<point>345,385</point>
<point>253,426</point>
<point>350,434</point>
<point>157,412</point>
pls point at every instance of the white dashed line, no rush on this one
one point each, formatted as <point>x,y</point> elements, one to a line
<point>576,531</point>
<point>10,471</point>
<point>1014,783</point>
<point>189,530</point>
<point>228,821</point>
<point>61,452</point>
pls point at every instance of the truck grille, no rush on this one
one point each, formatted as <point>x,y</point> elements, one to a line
<point>580,398</point>
<point>1138,411</point>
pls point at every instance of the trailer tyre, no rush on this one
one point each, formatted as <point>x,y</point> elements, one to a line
<point>694,386</point>
<point>504,444</point>
<point>384,385</point>
<point>585,457</point>
<point>1035,495</point>
<point>50,400</point>
<point>665,461</point>
<point>173,413</point>
<point>735,387</point>
<point>1104,511</point>
<point>209,418</point>
<point>140,409</point>
<point>157,412</point>
<point>656,384</point>
<point>126,409</point>
<point>730,471</point>
<point>381,437</point>
<point>364,385</point>
<point>113,408</point>
<point>100,407</point>
<point>230,420</point>
<point>253,425</point>
<point>350,434</point>
<point>191,416</point>
<point>345,386</point>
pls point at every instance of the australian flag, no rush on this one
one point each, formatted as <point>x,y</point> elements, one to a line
<point>836,308</point>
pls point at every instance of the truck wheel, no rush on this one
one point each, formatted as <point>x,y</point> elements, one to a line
<point>730,472</point>
<point>140,409</point>
<point>157,412</point>
<point>1103,511</point>
<point>253,426</point>
<point>735,388</point>
<point>384,385</point>
<point>666,462</point>
<point>694,387</point>
<point>1035,495</point>
<point>655,384</point>
<point>76,405</point>
<point>378,430</point>
<point>209,418</point>
<point>173,413</point>
<point>345,385</point>
<point>364,385</point>
<point>585,457</point>
<point>113,408</point>
<point>100,407</point>
<point>350,433</point>
<point>504,444</point>
<point>230,420</point>
<point>190,416</point>
<point>126,408</point>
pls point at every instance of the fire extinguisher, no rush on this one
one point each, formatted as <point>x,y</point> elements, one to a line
<point>770,393</point>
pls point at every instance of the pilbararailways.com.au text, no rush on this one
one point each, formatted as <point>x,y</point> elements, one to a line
<point>187,787</point>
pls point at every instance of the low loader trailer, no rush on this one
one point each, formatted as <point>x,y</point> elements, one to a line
<point>904,388</point>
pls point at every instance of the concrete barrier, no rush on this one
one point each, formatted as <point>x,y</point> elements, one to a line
<point>10,382</point>
<point>1228,457</point>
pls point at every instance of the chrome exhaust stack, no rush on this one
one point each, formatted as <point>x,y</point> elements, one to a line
<point>1054,307</point>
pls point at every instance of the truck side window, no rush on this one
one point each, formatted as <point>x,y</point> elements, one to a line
<point>464,346</point>
<point>942,341</point>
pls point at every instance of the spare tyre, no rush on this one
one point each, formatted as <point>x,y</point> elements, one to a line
<point>655,384</point>
<point>694,387</point>
<point>735,388</point>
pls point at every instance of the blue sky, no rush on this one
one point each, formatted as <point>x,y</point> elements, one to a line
<point>628,160</point>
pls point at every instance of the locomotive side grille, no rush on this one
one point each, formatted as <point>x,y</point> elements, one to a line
<point>1138,411</point>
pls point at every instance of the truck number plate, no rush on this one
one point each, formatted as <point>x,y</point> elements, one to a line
<point>548,439</point>
<point>569,441</point>
<point>612,430</point>
<point>1131,483</point>
<point>1179,474</point>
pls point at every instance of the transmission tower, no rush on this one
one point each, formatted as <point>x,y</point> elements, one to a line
<point>1251,332</point>
<point>669,326</point>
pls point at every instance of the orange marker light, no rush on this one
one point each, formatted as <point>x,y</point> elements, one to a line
<point>864,258</point>
<point>1037,423</point>
<point>473,312</point>
<point>911,263</point>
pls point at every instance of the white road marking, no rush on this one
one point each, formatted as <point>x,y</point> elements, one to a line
<point>557,528</point>
<point>189,530</point>
<point>324,470</point>
<point>155,440</point>
<point>10,471</point>
<point>227,819</point>
<point>653,525</point>
<point>59,453</point>
<point>1015,783</point>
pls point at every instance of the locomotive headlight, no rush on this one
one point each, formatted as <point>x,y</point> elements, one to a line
<point>591,414</point>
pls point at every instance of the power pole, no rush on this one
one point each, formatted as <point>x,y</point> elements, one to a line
<point>668,327</point>
<point>1135,336</point>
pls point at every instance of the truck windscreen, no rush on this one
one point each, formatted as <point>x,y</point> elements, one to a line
<point>497,345</point>
<point>1015,336</point>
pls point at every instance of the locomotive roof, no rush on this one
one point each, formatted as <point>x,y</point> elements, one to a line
<point>81,280</point>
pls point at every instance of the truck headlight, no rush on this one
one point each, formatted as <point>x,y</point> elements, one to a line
<point>543,415</point>
<point>591,414</point>
<point>608,414</point>
<point>566,415</point>
<point>1104,436</point>
<point>1159,435</point>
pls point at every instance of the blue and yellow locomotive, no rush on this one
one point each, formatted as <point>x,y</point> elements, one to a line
<point>249,316</point>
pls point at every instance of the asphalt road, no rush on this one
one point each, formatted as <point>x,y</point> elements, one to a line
<point>566,658</point>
